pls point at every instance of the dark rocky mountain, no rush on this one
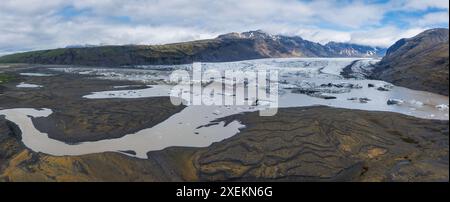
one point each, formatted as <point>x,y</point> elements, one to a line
<point>421,62</point>
<point>227,47</point>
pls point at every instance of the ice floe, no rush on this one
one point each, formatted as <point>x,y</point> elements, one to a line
<point>27,85</point>
<point>35,74</point>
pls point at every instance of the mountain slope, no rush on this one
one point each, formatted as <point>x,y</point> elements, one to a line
<point>352,50</point>
<point>421,62</point>
<point>227,47</point>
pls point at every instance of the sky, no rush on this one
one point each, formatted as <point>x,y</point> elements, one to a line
<point>45,24</point>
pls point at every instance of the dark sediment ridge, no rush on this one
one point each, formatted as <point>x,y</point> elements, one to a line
<point>76,119</point>
<point>298,144</point>
<point>92,120</point>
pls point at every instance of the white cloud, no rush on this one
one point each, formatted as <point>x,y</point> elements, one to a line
<point>383,37</point>
<point>324,36</point>
<point>423,4</point>
<point>41,24</point>
<point>435,18</point>
<point>353,15</point>
<point>30,7</point>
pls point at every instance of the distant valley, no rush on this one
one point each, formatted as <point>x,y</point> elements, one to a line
<point>420,63</point>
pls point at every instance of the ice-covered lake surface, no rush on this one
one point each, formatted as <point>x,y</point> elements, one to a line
<point>35,74</point>
<point>319,77</point>
<point>302,82</point>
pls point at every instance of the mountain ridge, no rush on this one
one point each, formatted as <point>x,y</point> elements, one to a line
<point>420,62</point>
<point>227,47</point>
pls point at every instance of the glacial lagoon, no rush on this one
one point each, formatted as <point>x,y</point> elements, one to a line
<point>302,82</point>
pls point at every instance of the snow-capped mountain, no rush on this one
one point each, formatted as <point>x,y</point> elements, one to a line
<point>227,47</point>
<point>355,50</point>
